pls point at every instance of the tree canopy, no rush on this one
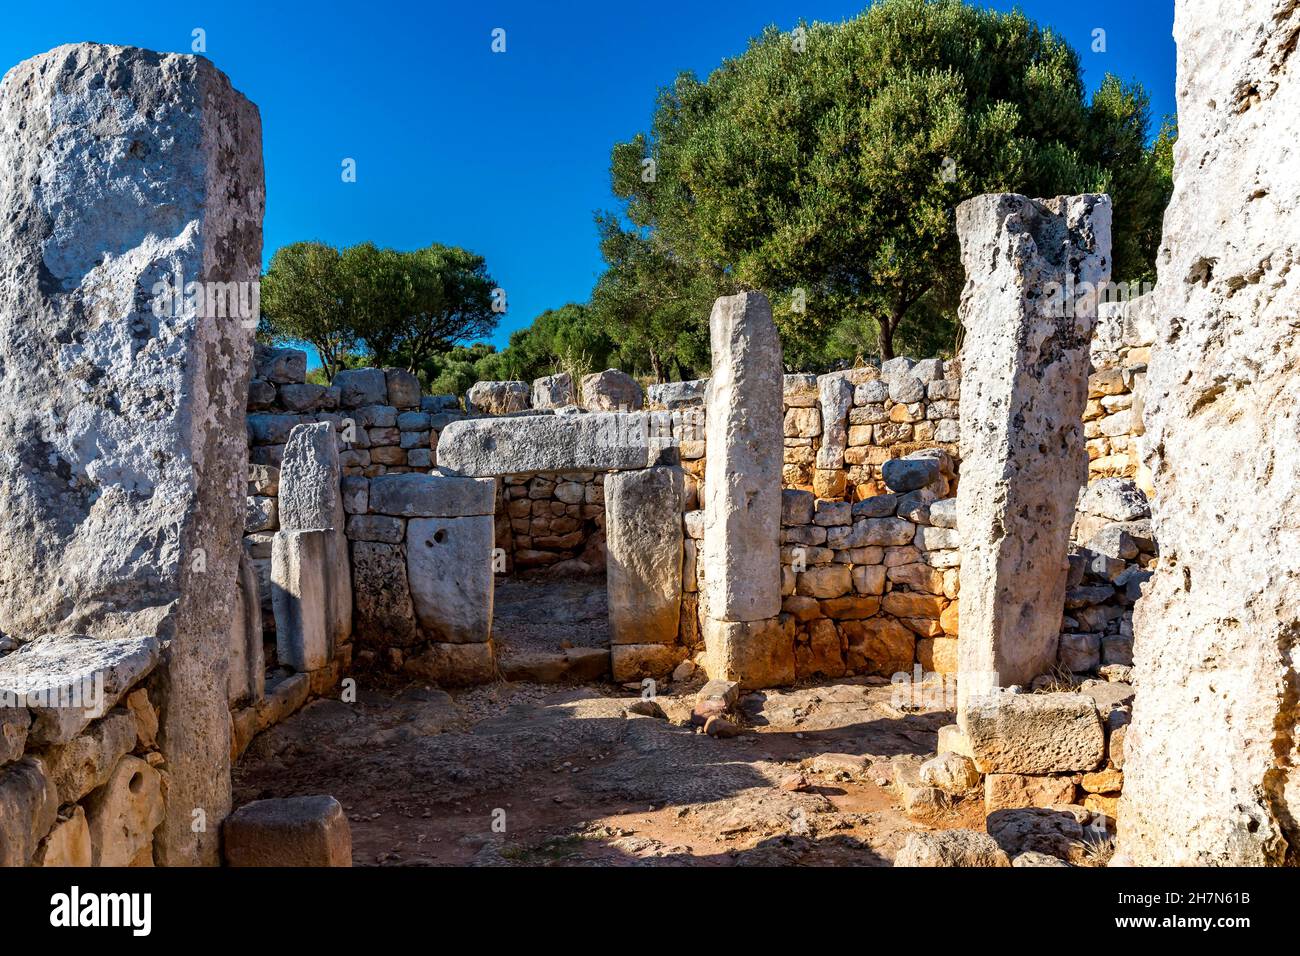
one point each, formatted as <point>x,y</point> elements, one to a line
<point>824,166</point>
<point>399,308</point>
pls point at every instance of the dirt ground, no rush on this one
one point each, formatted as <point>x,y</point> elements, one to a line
<point>526,774</point>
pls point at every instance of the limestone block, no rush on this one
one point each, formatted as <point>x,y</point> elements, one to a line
<point>1034,733</point>
<point>942,848</point>
<point>123,814</point>
<point>126,174</point>
<point>879,646</point>
<point>742,482</point>
<point>611,391</point>
<point>497,398</point>
<point>290,831</point>
<point>359,387</point>
<point>86,762</point>
<point>1009,791</point>
<point>909,474</point>
<point>403,388</point>
<point>950,772</point>
<point>29,805</point>
<point>14,723</point>
<point>246,671</point>
<point>449,568</point>
<point>279,365</point>
<point>68,844</point>
<point>677,395</point>
<point>299,594</point>
<point>69,680</point>
<point>753,653</point>
<point>643,537</point>
<point>634,662</point>
<point>1215,630</point>
<point>437,495</point>
<point>554,391</point>
<point>310,496</point>
<point>455,664</point>
<point>1024,387</point>
<point>836,398</point>
<point>541,443</point>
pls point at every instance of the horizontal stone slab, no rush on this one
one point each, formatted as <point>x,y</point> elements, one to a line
<point>602,441</point>
<point>68,680</point>
<point>1034,733</point>
<point>437,495</point>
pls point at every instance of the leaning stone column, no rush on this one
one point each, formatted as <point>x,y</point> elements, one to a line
<point>742,496</point>
<point>125,176</point>
<point>1212,759</point>
<point>1023,390</point>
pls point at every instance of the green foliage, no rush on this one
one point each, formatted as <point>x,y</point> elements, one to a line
<point>452,372</point>
<point>383,306</point>
<point>651,303</point>
<point>824,167</point>
<point>304,299</point>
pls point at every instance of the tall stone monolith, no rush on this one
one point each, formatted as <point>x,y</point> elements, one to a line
<point>1212,759</point>
<point>742,496</point>
<point>131,199</point>
<point>1033,268</point>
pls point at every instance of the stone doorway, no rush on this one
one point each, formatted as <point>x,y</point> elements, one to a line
<point>550,620</point>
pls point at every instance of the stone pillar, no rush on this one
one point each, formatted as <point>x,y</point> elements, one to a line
<point>126,176</point>
<point>643,529</point>
<point>1033,270</point>
<point>311,499</point>
<point>1212,765</point>
<point>742,496</point>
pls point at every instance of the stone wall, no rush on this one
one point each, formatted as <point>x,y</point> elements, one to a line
<point>1112,420</point>
<point>840,428</point>
<point>82,779</point>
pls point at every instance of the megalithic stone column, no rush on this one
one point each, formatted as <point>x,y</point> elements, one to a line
<point>131,182</point>
<point>1034,269</point>
<point>744,638</point>
<point>1212,759</point>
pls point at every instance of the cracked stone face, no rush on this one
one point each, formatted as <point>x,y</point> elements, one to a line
<point>1217,631</point>
<point>131,198</point>
<point>1024,387</point>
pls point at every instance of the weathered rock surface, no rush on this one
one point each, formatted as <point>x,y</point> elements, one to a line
<point>85,763</point>
<point>643,527</point>
<point>753,653</point>
<point>1034,733</point>
<point>385,615</point>
<point>1211,755</point>
<point>68,844</point>
<point>742,483</point>
<point>611,391</point>
<point>554,391</point>
<point>449,569</point>
<point>67,681</point>
<point>674,395</point>
<point>124,812</point>
<point>436,495</point>
<point>300,595</point>
<point>29,804</point>
<point>497,398</point>
<point>532,443</point>
<point>951,848</point>
<point>310,496</point>
<point>290,831</point>
<point>126,176</point>
<point>1024,387</point>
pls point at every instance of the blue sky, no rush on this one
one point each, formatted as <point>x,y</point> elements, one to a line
<point>506,154</point>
